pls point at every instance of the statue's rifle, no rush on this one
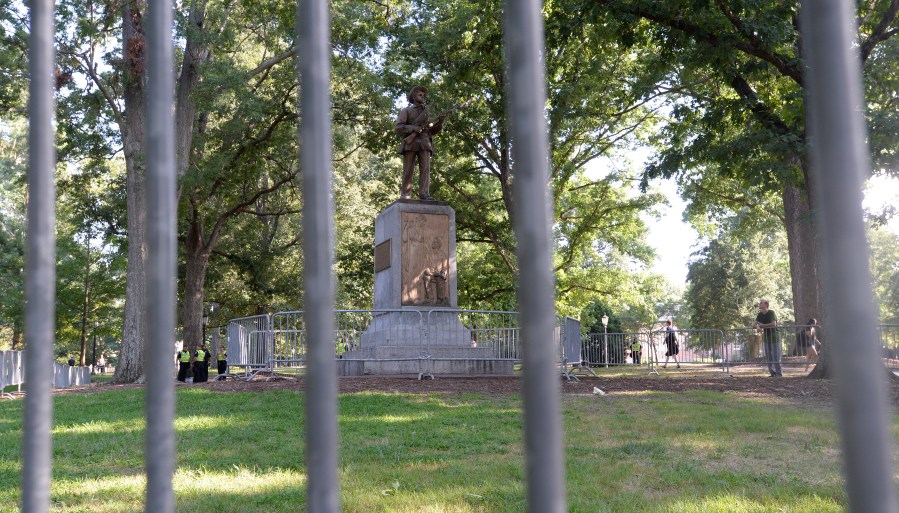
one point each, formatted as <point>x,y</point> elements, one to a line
<point>409,139</point>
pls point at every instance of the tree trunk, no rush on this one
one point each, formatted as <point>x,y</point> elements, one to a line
<point>196,264</point>
<point>196,53</point>
<point>85,306</point>
<point>801,244</point>
<point>822,368</point>
<point>134,331</point>
<point>16,338</point>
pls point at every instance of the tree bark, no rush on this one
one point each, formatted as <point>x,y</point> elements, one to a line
<point>802,248</point>
<point>195,55</point>
<point>134,331</point>
<point>196,258</point>
<point>85,306</point>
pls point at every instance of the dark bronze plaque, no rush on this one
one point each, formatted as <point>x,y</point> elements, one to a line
<point>382,256</point>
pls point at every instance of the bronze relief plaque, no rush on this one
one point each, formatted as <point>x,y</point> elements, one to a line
<point>425,259</point>
<point>382,256</point>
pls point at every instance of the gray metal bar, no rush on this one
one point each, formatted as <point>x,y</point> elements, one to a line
<point>526,100</point>
<point>159,453</point>
<point>839,165</point>
<point>313,36</point>
<point>40,264</point>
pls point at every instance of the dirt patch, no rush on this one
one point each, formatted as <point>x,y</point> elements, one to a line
<point>793,388</point>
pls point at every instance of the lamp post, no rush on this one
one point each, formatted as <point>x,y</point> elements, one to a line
<point>605,337</point>
<point>205,322</point>
<point>94,358</point>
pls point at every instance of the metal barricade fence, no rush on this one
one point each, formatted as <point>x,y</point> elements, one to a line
<point>596,346</point>
<point>839,160</point>
<point>750,346</point>
<point>279,340</point>
<point>695,347</point>
<point>377,328</point>
<point>889,341</point>
<point>495,331</point>
<point>289,339</point>
<point>250,343</point>
<point>12,369</point>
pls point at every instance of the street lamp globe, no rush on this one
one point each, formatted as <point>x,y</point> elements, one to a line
<point>605,320</point>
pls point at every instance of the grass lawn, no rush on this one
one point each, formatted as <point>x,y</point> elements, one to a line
<point>688,452</point>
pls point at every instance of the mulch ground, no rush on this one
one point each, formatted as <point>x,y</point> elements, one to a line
<point>795,387</point>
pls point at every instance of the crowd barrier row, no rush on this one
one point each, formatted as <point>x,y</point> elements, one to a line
<point>12,372</point>
<point>268,342</point>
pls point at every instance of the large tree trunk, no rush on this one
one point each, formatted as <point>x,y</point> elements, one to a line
<point>196,264</point>
<point>802,248</point>
<point>196,53</point>
<point>134,331</point>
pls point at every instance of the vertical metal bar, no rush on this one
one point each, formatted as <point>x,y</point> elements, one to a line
<point>313,34</point>
<point>159,452</point>
<point>40,264</point>
<point>526,100</point>
<point>839,164</point>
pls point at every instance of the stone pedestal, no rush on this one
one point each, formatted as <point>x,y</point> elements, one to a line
<point>415,273</point>
<point>415,256</point>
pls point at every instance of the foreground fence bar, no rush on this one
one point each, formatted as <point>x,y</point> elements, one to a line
<point>40,262</point>
<point>839,164</point>
<point>161,253</point>
<point>313,35</point>
<point>526,100</point>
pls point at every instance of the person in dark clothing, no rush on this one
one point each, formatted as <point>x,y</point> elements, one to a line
<point>200,359</point>
<point>183,363</point>
<point>71,361</point>
<point>767,320</point>
<point>636,351</point>
<point>809,337</point>
<point>222,361</point>
<point>207,360</point>
<point>671,345</point>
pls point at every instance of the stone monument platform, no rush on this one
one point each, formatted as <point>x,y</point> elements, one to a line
<point>415,273</point>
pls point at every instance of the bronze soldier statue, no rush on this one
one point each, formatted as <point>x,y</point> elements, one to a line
<point>413,122</point>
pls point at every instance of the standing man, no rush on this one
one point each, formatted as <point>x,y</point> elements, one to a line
<point>636,350</point>
<point>671,345</point>
<point>767,320</point>
<point>183,363</point>
<point>416,128</point>
<point>222,361</point>
<point>200,364</point>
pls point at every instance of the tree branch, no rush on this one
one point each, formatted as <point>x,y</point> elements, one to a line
<point>880,32</point>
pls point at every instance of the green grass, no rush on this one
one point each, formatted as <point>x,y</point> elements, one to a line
<point>671,453</point>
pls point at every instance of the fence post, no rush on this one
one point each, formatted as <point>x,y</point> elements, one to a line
<point>40,261</point>
<point>526,100</point>
<point>839,154</point>
<point>159,452</point>
<point>313,34</point>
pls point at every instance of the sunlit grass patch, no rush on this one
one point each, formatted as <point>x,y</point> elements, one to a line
<point>244,452</point>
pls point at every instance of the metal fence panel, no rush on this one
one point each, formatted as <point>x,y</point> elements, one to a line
<point>249,343</point>
<point>889,343</point>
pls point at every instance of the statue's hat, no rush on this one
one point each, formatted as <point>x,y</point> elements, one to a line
<point>416,88</point>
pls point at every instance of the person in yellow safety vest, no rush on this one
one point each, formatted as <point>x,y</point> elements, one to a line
<point>636,350</point>
<point>183,363</point>
<point>199,365</point>
<point>340,348</point>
